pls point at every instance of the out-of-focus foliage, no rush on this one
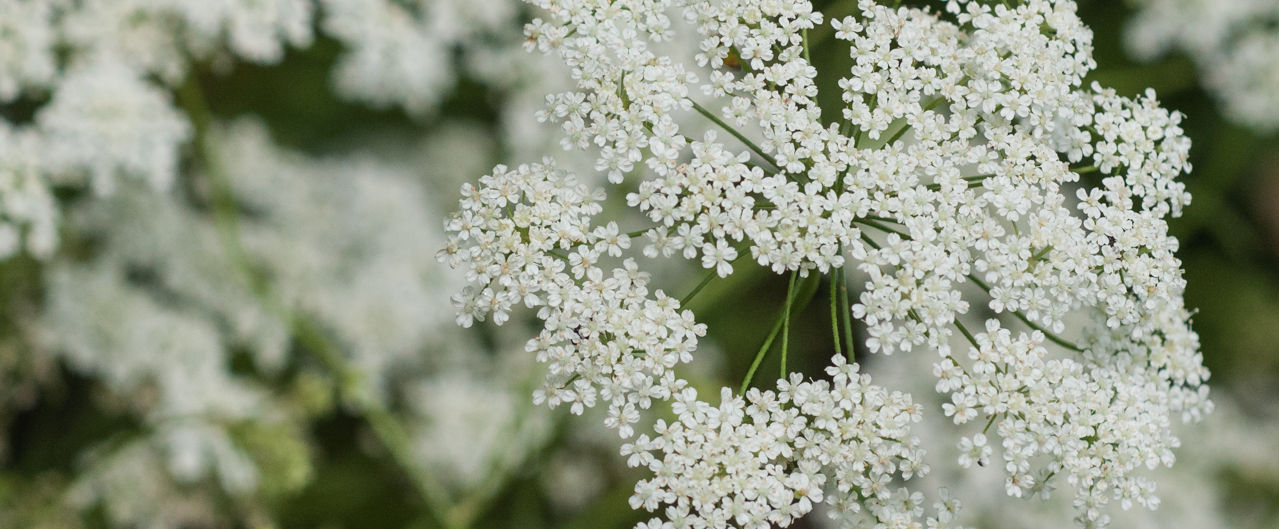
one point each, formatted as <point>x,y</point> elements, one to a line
<point>154,373</point>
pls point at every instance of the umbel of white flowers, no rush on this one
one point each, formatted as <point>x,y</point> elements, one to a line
<point>956,162</point>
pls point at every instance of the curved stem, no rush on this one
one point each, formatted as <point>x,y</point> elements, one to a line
<point>1047,334</point>
<point>705,281</point>
<point>848,314</point>
<point>768,342</point>
<point>786,322</point>
<point>749,144</point>
<point>807,56</point>
<point>796,299</point>
<point>834,312</point>
<point>881,227</point>
<point>968,335</point>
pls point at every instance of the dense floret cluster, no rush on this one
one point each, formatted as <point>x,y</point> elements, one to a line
<point>962,174</point>
<point>604,336</point>
<point>968,164</point>
<point>765,459</point>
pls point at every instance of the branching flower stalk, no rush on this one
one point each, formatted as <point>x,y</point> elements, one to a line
<point>964,130</point>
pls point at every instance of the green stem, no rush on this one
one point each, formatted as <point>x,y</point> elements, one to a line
<point>897,135</point>
<point>881,227</point>
<point>968,335</point>
<point>749,144</point>
<point>768,342</point>
<point>988,423</point>
<point>973,181</point>
<point>881,219</point>
<point>807,57</point>
<point>1041,254</point>
<point>786,322</point>
<point>706,281</point>
<point>796,299</point>
<point>1051,337</point>
<point>869,241</point>
<point>906,126</point>
<point>834,309</point>
<point>848,314</point>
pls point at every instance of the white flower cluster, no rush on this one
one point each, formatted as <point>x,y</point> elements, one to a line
<point>605,339</point>
<point>473,427</point>
<point>158,311</point>
<point>1073,413</point>
<point>766,459</point>
<point>108,68</point>
<point>173,364</point>
<point>136,489</point>
<point>96,61</point>
<point>342,239</point>
<point>957,161</point>
<point>25,199</point>
<point>1234,44</point>
<point>1191,490</point>
<point>401,53</point>
<point>159,308</point>
<point>26,46</point>
<point>106,120</point>
<point>151,36</point>
<point>620,109</point>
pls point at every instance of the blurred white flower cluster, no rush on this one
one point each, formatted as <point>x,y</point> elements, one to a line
<point>967,153</point>
<point>400,53</point>
<point>107,69</point>
<point>159,311</point>
<point>151,301</point>
<point>1234,44</point>
<point>95,61</point>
